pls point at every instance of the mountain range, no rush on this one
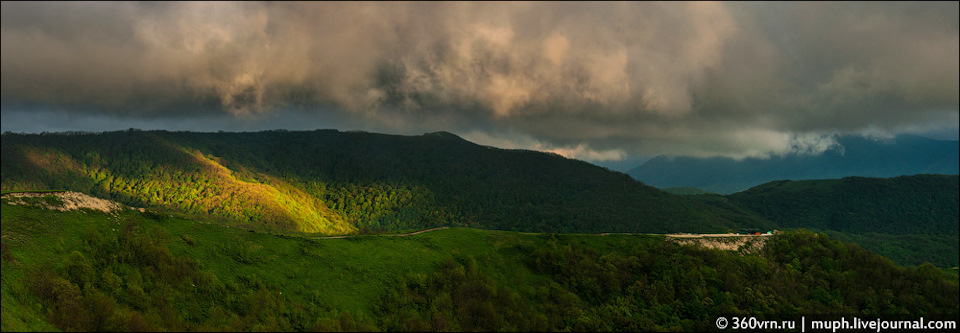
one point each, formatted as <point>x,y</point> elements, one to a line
<point>228,234</point>
<point>852,156</point>
<point>336,183</point>
<point>910,219</point>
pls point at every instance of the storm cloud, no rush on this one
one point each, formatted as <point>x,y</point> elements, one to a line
<point>597,81</point>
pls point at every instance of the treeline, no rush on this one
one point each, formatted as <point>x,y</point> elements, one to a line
<point>132,283</point>
<point>660,286</point>
<point>913,249</point>
<point>921,204</point>
<point>334,182</point>
<point>148,272</point>
<point>910,219</point>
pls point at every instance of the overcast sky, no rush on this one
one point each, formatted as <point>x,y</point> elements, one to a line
<point>594,81</point>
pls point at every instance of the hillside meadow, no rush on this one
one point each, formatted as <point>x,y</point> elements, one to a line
<point>136,271</point>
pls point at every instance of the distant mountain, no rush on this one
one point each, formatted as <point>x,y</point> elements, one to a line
<point>857,156</point>
<point>335,182</point>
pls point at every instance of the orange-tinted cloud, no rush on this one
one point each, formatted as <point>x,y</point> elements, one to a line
<point>733,79</point>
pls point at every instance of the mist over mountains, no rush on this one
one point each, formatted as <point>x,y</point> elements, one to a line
<point>852,156</point>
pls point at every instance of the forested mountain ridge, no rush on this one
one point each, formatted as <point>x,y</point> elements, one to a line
<point>851,156</point>
<point>341,182</point>
<point>911,219</point>
<point>921,204</point>
<point>335,182</point>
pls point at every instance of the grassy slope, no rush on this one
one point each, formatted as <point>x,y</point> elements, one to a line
<point>347,274</point>
<point>341,275</point>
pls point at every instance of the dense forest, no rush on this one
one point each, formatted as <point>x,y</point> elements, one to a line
<point>921,204</point>
<point>347,182</point>
<point>333,182</point>
<point>133,271</point>
<point>911,219</point>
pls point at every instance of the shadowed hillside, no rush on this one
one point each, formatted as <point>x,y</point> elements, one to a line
<point>911,219</point>
<point>922,204</point>
<point>344,182</point>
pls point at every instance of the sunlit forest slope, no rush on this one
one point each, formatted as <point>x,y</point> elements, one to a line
<point>347,182</point>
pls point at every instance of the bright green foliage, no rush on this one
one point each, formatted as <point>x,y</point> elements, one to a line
<point>92,272</point>
<point>649,284</point>
<point>332,182</point>
<point>335,183</point>
<point>147,171</point>
<point>137,271</point>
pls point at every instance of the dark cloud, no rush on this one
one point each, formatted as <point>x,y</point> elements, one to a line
<point>599,81</point>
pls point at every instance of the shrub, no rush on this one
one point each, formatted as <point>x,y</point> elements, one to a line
<point>52,200</point>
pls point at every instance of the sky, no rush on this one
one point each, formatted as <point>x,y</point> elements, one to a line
<point>603,82</point>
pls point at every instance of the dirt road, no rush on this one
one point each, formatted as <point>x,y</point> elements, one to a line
<point>601,234</point>
<point>392,235</point>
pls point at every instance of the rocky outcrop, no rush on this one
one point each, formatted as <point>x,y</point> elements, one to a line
<point>744,244</point>
<point>62,201</point>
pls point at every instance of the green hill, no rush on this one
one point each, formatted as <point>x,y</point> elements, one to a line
<point>332,182</point>
<point>132,271</point>
<point>346,182</point>
<point>911,219</point>
<point>921,204</point>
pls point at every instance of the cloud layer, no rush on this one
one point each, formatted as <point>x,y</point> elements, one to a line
<point>587,80</point>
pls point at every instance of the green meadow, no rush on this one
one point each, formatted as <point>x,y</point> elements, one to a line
<point>132,271</point>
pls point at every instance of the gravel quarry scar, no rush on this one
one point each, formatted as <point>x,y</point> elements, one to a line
<point>62,201</point>
<point>727,242</point>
